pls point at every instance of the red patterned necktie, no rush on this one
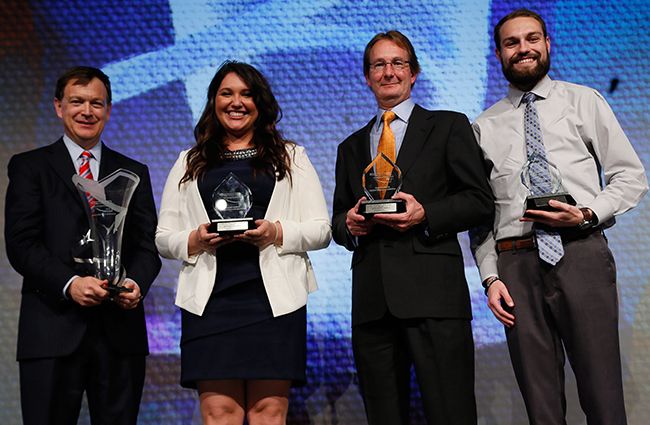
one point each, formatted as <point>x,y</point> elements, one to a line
<point>86,173</point>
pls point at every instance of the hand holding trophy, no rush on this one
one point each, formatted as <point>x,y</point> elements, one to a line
<point>380,180</point>
<point>231,201</point>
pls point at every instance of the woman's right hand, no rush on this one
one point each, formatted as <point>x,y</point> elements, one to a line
<point>201,240</point>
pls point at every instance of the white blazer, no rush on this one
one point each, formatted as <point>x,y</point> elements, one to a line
<point>286,271</point>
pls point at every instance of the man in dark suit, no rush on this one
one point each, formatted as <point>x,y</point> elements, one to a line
<point>410,302</point>
<point>72,336</point>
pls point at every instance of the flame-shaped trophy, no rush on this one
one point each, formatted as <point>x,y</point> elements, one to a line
<point>231,201</point>
<point>550,186</point>
<point>380,180</point>
<point>111,196</point>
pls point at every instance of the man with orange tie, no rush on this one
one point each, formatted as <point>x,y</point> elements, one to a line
<point>72,337</point>
<point>410,301</point>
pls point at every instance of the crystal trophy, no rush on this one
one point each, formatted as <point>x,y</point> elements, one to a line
<point>231,201</point>
<point>380,186</point>
<point>111,196</point>
<point>550,189</point>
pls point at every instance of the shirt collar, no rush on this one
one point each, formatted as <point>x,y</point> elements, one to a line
<point>402,111</point>
<point>541,89</point>
<point>76,150</point>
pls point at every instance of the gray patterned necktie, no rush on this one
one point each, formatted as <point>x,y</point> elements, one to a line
<point>549,243</point>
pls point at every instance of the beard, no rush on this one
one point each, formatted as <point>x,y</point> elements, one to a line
<point>526,80</point>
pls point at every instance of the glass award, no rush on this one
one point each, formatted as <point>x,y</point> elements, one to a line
<point>110,202</point>
<point>231,201</point>
<point>380,186</point>
<point>550,188</point>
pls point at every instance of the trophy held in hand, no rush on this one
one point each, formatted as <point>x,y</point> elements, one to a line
<point>231,201</point>
<point>380,180</point>
<point>544,182</point>
<point>108,203</point>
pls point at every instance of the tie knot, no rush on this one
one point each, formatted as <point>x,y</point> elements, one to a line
<point>529,97</point>
<point>86,155</point>
<point>388,117</point>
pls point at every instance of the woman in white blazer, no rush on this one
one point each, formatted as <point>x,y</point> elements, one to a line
<point>243,297</point>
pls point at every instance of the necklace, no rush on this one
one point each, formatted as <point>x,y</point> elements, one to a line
<point>239,154</point>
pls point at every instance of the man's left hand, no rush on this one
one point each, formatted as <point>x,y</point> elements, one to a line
<point>413,215</point>
<point>566,215</point>
<point>129,300</point>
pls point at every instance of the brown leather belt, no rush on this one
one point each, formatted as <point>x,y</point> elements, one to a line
<point>516,243</point>
<point>528,242</point>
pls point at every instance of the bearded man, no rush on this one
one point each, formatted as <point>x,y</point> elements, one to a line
<point>547,271</point>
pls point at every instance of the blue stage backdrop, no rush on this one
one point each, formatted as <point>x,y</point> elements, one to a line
<point>161,55</point>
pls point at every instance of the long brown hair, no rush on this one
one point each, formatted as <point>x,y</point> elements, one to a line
<point>209,134</point>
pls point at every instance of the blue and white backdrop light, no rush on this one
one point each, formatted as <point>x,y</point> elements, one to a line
<point>161,55</point>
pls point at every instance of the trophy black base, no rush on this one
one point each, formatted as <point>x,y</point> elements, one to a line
<point>382,206</point>
<point>540,202</point>
<point>231,226</point>
<point>116,290</point>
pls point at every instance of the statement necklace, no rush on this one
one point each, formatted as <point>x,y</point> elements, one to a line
<point>239,154</point>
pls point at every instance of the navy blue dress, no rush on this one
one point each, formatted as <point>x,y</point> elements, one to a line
<point>237,336</point>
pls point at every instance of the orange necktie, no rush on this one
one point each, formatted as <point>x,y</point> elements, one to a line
<point>386,146</point>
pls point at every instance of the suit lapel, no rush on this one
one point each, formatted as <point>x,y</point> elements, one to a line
<point>362,148</point>
<point>421,123</point>
<point>63,166</point>
<point>109,162</point>
<point>361,153</point>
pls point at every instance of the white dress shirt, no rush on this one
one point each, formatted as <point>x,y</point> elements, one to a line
<point>582,139</point>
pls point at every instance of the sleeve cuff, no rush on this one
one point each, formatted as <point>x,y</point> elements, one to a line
<point>602,209</point>
<point>67,285</point>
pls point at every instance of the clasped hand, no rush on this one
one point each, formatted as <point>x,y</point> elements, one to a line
<point>89,291</point>
<point>264,235</point>
<point>358,225</point>
<point>201,240</point>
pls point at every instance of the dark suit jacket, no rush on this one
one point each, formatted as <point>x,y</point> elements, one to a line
<point>44,222</point>
<point>417,273</point>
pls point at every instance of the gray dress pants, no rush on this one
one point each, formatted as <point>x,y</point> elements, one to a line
<point>572,306</point>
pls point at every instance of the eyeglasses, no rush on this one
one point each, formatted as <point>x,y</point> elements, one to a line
<point>397,64</point>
